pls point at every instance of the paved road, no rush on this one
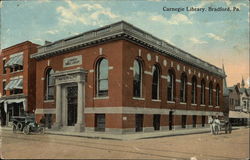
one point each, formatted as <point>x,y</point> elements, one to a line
<point>198,146</point>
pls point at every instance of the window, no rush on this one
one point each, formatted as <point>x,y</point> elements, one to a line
<point>183,121</point>
<point>4,91</point>
<point>137,82</point>
<point>49,94</point>
<point>155,83</point>
<point>217,95</point>
<point>171,85</point>
<point>102,78</point>
<point>210,93</point>
<point>194,89</point>
<point>4,68</point>
<point>183,88</point>
<point>202,92</point>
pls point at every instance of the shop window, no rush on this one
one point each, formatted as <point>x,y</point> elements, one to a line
<point>183,88</point>
<point>194,90</point>
<point>155,82</point>
<point>202,100</point>
<point>210,93</point>
<point>102,77</point>
<point>49,94</point>
<point>137,82</point>
<point>184,121</point>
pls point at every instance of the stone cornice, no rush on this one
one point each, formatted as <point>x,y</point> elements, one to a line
<point>125,31</point>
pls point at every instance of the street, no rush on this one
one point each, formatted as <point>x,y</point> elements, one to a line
<point>196,146</point>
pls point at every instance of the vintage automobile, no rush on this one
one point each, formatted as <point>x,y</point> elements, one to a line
<point>26,124</point>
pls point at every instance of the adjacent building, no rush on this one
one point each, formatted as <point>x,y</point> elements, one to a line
<point>17,81</point>
<point>120,79</point>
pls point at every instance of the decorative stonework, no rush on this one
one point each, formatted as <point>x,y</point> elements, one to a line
<point>72,61</point>
<point>178,67</point>
<point>165,62</point>
<point>148,57</point>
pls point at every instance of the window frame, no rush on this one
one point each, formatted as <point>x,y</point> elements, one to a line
<point>183,88</point>
<point>203,92</point>
<point>101,93</point>
<point>157,84</point>
<point>136,93</point>
<point>194,90</point>
<point>48,86</point>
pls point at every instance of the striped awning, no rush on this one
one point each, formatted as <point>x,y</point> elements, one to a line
<point>15,60</point>
<point>14,84</point>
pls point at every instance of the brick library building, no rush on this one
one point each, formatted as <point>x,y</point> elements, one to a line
<point>121,79</point>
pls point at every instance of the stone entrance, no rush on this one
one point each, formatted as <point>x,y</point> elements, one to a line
<point>70,98</point>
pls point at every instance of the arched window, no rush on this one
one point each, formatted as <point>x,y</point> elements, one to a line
<point>49,90</point>
<point>217,95</point>
<point>137,82</point>
<point>171,85</point>
<point>155,82</point>
<point>102,69</point>
<point>194,90</point>
<point>210,93</point>
<point>202,91</point>
<point>183,88</point>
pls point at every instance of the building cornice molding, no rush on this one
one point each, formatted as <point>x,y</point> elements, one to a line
<point>125,31</point>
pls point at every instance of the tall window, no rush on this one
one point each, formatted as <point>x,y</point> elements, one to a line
<point>49,84</point>
<point>171,85</point>
<point>183,88</point>
<point>202,92</point>
<point>217,95</point>
<point>4,68</point>
<point>210,93</point>
<point>4,91</point>
<point>194,90</point>
<point>155,83</point>
<point>137,82</point>
<point>102,77</point>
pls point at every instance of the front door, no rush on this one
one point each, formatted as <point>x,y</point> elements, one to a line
<point>170,120</point>
<point>156,121</point>
<point>72,105</point>
<point>138,122</point>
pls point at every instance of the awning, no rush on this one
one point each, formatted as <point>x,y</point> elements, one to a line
<point>15,60</point>
<point>236,114</point>
<point>14,84</point>
<point>10,101</point>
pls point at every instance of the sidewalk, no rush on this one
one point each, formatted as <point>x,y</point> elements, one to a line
<point>129,136</point>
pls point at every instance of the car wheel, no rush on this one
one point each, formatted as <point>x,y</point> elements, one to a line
<point>26,130</point>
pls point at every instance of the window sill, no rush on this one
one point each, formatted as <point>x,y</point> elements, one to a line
<point>156,100</point>
<point>16,71</point>
<point>48,101</point>
<point>138,98</point>
<point>217,106</point>
<point>193,104</point>
<point>210,106</point>
<point>183,103</point>
<point>171,102</point>
<point>101,98</point>
<point>202,105</point>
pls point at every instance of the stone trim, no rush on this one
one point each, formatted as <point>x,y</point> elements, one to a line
<point>48,101</point>
<point>111,67</point>
<point>210,106</point>
<point>171,102</point>
<point>183,103</point>
<point>95,98</point>
<point>45,111</point>
<point>178,80</point>
<point>148,129</point>
<point>141,110</point>
<point>156,100</point>
<point>91,70</point>
<point>193,104</point>
<point>202,105</point>
<point>148,73</point>
<point>188,83</point>
<point>138,98</point>
<point>164,77</point>
<point>199,86</point>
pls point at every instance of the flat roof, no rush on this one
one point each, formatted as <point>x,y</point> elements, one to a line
<point>126,31</point>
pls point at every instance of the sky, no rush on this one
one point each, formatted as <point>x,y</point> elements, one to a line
<point>218,37</point>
